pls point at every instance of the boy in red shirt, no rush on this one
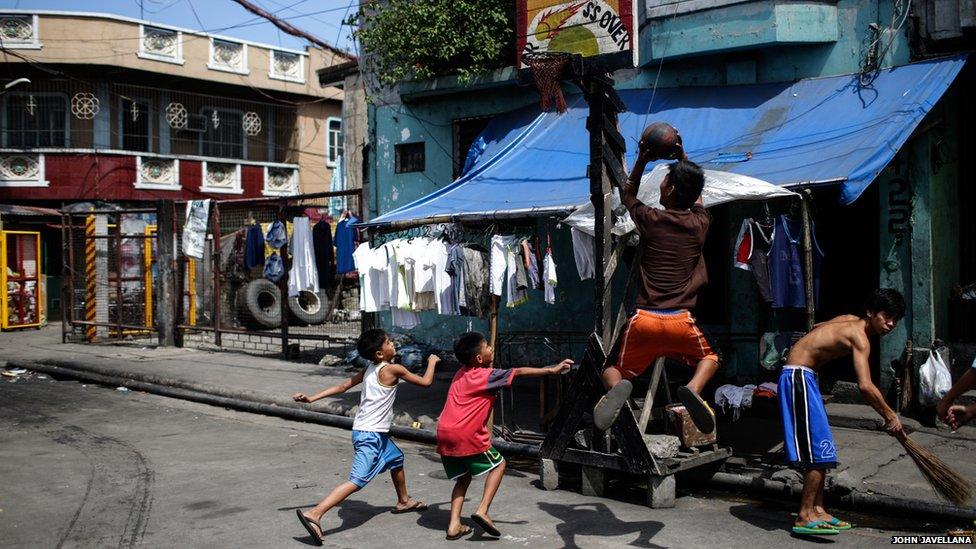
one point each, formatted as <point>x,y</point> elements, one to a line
<point>463,437</point>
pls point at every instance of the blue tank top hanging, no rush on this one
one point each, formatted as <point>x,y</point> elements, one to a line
<point>786,264</point>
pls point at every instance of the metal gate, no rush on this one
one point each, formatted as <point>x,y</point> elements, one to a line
<point>109,273</point>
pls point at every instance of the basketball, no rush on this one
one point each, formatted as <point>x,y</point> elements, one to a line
<point>661,140</point>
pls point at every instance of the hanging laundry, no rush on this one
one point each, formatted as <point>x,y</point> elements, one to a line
<point>549,274</point>
<point>476,291</point>
<point>345,241</point>
<point>444,291</point>
<point>515,282</point>
<point>786,264</point>
<point>455,269</point>
<point>374,292</point>
<point>397,285</point>
<point>531,264</point>
<point>303,275</point>
<point>254,247</point>
<point>274,267</point>
<point>751,254</point>
<point>195,228</point>
<point>277,235</point>
<point>324,253</point>
<point>583,253</point>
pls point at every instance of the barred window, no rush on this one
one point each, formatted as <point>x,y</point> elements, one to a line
<point>224,136</point>
<point>410,157</point>
<point>135,119</point>
<point>35,120</point>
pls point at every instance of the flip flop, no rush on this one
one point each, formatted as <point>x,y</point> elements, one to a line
<point>465,530</point>
<point>416,506</point>
<point>488,527</point>
<point>815,528</point>
<point>608,408</point>
<point>838,524</point>
<point>307,523</point>
<point>698,409</point>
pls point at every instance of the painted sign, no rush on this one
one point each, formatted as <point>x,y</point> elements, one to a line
<point>599,30</point>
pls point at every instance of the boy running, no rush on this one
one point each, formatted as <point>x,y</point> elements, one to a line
<point>672,274</point>
<point>375,451</point>
<point>809,442</point>
<point>463,437</point>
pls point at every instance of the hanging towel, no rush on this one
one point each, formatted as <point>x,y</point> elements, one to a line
<point>303,275</point>
<point>324,253</point>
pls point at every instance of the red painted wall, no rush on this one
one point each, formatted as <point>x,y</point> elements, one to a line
<point>75,177</point>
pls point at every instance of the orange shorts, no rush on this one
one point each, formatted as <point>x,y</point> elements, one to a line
<point>651,334</point>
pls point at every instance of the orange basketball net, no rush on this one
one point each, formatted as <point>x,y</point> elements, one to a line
<point>547,70</point>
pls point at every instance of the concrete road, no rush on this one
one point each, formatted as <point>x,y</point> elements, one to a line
<point>88,466</point>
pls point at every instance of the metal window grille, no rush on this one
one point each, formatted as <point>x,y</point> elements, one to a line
<point>410,157</point>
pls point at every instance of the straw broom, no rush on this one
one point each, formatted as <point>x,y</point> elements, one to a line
<point>948,483</point>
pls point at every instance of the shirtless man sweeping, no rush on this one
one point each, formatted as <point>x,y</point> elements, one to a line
<point>809,442</point>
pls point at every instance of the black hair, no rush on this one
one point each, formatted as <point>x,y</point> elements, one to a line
<point>886,300</point>
<point>370,342</point>
<point>687,181</point>
<point>467,346</point>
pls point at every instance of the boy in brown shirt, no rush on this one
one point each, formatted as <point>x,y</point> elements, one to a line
<point>672,274</point>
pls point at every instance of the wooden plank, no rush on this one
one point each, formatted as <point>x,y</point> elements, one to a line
<point>615,169</point>
<point>598,459</point>
<point>674,465</point>
<point>585,387</point>
<point>613,136</point>
<point>645,416</point>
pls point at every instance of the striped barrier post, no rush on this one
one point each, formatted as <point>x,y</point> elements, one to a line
<point>90,278</point>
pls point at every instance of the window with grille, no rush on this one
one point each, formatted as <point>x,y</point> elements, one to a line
<point>410,157</point>
<point>334,142</point>
<point>224,136</point>
<point>135,121</point>
<point>35,120</point>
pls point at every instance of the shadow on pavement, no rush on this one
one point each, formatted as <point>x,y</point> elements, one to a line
<point>770,519</point>
<point>596,519</point>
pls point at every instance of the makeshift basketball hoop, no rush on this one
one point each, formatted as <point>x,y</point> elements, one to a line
<point>547,71</point>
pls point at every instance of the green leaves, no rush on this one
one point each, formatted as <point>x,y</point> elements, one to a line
<point>418,39</point>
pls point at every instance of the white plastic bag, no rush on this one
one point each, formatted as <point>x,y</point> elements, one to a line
<point>934,379</point>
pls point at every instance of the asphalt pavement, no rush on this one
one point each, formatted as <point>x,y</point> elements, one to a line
<point>91,466</point>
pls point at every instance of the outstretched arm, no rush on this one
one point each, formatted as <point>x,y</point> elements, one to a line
<point>334,390</point>
<point>426,380</point>
<point>965,383</point>
<point>872,395</point>
<point>563,366</point>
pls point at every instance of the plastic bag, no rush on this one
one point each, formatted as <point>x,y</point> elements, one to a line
<point>934,379</point>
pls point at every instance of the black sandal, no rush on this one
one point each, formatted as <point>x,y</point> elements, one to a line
<point>307,523</point>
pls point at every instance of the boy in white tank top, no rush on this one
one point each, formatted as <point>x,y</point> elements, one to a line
<point>375,451</point>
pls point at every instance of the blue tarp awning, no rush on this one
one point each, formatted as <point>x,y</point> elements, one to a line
<point>814,131</point>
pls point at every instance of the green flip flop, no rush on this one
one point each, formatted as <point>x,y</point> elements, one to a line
<point>815,528</point>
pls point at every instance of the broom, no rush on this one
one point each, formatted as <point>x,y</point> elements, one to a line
<point>948,483</point>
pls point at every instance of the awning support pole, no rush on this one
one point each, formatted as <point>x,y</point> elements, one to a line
<point>805,198</point>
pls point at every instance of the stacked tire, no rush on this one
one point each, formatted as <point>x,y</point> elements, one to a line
<point>259,304</point>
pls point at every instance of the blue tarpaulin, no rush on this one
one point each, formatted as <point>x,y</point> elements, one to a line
<point>814,131</point>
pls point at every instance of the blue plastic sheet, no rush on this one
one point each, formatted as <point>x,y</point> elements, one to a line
<point>816,131</point>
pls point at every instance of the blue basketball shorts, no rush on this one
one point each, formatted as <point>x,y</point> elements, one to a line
<point>809,442</point>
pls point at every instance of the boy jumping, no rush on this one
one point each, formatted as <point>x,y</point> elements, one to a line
<point>672,272</point>
<point>463,437</point>
<point>809,442</point>
<point>375,451</point>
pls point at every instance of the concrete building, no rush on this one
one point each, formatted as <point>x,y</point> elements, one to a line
<point>124,110</point>
<point>908,230</point>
